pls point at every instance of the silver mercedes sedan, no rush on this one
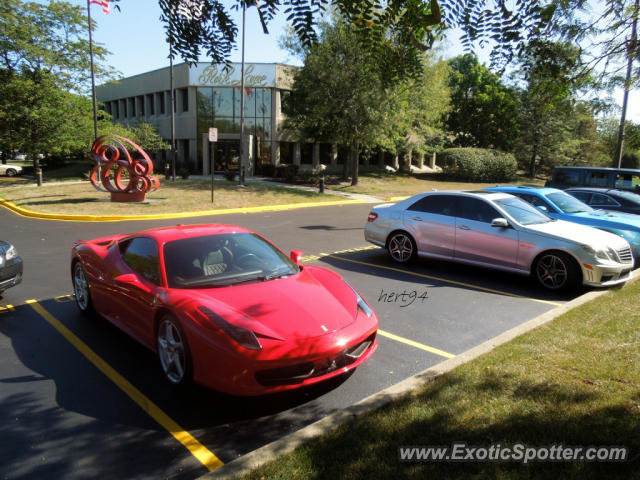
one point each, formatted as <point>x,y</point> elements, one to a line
<point>498,230</point>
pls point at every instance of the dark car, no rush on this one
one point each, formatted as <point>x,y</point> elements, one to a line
<point>608,199</point>
<point>10,266</point>
<point>599,177</point>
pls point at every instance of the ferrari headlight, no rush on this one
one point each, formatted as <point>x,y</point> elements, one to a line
<point>362,305</point>
<point>11,253</point>
<point>244,337</point>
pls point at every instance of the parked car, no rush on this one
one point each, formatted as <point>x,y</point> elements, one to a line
<point>223,306</point>
<point>10,170</point>
<point>10,266</point>
<point>608,199</point>
<point>560,205</point>
<point>498,230</point>
<point>601,177</point>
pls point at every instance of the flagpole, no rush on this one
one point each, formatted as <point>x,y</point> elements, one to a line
<point>172,94</point>
<point>93,81</point>
<point>241,150</point>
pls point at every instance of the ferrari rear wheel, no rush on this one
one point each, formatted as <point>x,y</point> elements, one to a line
<point>82,290</point>
<point>173,351</point>
<point>11,172</point>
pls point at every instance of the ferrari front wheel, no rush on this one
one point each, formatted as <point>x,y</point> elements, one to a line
<point>173,351</point>
<point>81,289</point>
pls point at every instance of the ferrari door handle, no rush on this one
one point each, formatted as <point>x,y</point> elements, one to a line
<point>417,219</point>
<point>464,227</point>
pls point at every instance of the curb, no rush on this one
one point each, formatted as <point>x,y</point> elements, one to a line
<point>244,464</point>
<point>117,218</point>
<point>396,199</point>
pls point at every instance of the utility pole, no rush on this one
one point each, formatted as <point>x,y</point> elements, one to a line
<point>632,46</point>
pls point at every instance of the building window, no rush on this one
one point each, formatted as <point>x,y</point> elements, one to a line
<point>161,102</point>
<point>141,106</point>
<point>124,108</point>
<point>116,112</point>
<point>107,107</point>
<point>185,99</point>
<point>132,107</point>
<point>152,109</point>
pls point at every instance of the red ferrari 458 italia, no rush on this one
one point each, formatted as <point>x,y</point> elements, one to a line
<point>224,307</point>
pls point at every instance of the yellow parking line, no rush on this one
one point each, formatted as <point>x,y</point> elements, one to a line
<point>442,353</point>
<point>204,455</point>
<point>446,280</point>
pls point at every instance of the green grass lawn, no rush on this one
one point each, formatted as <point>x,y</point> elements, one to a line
<point>171,197</point>
<point>574,381</point>
<point>385,185</point>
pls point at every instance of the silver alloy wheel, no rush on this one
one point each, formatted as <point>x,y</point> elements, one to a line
<point>401,247</point>
<point>171,350</point>
<point>552,271</point>
<point>11,172</point>
<point>81,287</point>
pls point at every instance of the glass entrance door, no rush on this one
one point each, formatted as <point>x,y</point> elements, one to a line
<point>227,155</point>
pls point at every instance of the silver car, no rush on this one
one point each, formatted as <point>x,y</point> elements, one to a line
<point>10,170</point>
<point>500,231</point>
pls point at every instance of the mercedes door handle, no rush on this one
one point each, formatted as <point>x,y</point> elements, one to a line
<point>464,227</point>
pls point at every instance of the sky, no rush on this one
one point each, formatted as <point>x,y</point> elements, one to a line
<point>135,37</point>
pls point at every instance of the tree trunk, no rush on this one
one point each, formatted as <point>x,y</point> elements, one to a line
<point>345,169</point>
<point>36,169</point>
<point>356,162</point>
<point>532,166</point>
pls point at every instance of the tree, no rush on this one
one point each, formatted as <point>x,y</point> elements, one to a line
<point>417,124</point>
<point>36,116</point>
<point>195,27</point>
<point>609,45</point>
<point>484,112</point>
<point>340,95</point>
<point>49,38</point>
<point>44,56</point>
<point>548,100</point>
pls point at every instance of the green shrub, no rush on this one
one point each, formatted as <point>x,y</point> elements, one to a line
<point>630,160</point>
<point>478,165</point>
<point>266,170</point>
<point>287,173</point>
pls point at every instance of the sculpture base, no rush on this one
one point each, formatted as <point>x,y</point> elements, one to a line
<point>128,196</point>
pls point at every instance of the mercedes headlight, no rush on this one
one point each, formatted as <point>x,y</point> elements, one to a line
<point>603,253</point>
<point>11,253</point>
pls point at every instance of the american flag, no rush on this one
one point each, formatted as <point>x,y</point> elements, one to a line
<point>105,4</point>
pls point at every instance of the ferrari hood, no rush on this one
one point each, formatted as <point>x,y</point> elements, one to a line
<point>288,308</point>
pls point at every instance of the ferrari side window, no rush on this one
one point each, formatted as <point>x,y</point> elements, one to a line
<point>141,254</point>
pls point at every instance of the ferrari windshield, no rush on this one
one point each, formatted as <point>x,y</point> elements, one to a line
<point>522,212</point>
<point>222,260</point>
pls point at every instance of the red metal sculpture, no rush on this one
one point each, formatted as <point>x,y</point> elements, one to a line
<point>113,160</point>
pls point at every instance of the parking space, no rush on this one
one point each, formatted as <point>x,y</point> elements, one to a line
<point>81,399</point>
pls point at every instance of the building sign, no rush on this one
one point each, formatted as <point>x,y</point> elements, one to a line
<point>255,75</point>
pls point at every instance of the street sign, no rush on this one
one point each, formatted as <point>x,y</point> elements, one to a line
<point>213,134</point>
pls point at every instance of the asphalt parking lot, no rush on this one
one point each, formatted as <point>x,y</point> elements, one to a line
<point>81,400</point>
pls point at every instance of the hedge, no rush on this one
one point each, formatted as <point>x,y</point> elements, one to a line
<point>478,165</point>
